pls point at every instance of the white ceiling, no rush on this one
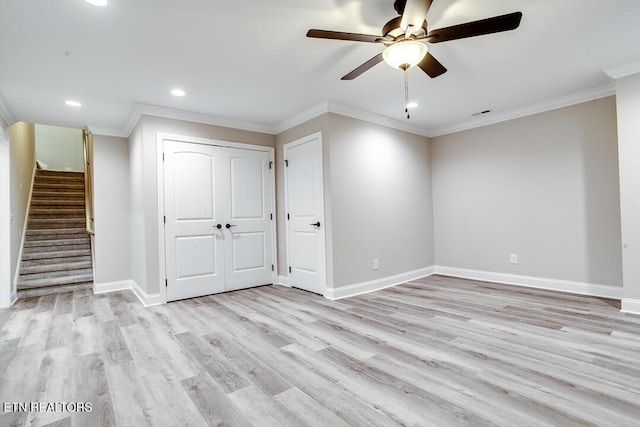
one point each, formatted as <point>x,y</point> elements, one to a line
<point>250,60</point>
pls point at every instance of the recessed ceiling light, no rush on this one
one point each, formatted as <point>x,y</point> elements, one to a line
<point>412,105</point>
<point>71,103</point>
<point>178,92</point>
<point>97,2</point>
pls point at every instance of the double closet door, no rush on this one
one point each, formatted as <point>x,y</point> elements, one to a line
<point>218,225</point>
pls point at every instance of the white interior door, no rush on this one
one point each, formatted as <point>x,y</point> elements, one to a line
<point>249,213</point>
<point>194,245</point>
<point>305,212</point>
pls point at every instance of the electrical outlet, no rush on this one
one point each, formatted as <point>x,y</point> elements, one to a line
<point>514,258</point>
<point>376,264</point>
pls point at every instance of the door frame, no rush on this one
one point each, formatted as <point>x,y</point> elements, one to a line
<point>160,138</point>
<point>323,256</point>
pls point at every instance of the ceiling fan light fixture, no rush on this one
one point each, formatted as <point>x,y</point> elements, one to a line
<point>405,54</point>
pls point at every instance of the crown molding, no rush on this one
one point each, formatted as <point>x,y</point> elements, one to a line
<point>541,107</point>
<point>348,111</point>
<point>366,116</point>
<point>624,70</point>
<point>189,116</point>
<point>332,107</point>
<point>301,117</point>
<point>119,133</point>
<point>5,112</point>
<point>140,110</point>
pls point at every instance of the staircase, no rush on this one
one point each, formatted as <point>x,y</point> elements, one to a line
<point>57,249</point>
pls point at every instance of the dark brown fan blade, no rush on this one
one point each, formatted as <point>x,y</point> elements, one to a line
<point>364,67</point>
<point>414,13</point>
<point>496,24</point>
<point>337,35</point>
<point>432,66</point>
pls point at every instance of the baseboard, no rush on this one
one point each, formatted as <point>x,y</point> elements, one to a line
<point>128,285</point>
<point>631,306</point>
<point>590,289</point>
<point>103,288</point>
<point>146,300</point>
<point>283,281</point>
<point>376,285</point>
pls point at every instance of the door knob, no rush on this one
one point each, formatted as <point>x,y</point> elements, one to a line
<point>317,224</point>
<point>229,225</point>
<point>218,226</point>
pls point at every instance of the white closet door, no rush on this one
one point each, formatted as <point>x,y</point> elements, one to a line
<point>305,208</point>
<point>194,246</point>
<point>249,240</point>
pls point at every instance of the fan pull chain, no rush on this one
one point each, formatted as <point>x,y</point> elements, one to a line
<point>406,93</point>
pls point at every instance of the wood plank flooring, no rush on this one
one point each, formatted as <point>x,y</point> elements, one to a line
<point>439,351</point>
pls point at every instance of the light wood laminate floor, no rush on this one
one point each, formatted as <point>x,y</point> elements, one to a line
<point>438,351</point>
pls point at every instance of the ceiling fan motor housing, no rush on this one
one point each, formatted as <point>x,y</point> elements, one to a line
<point>392,29</point>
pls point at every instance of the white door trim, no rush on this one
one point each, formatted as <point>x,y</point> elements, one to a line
<point>6,281</point>
<point>323,261</point>
<point>160,138</point>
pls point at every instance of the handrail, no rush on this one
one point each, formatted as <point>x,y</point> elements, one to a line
<point>87,147</point>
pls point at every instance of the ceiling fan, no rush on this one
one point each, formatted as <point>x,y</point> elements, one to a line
<point>404,37</point>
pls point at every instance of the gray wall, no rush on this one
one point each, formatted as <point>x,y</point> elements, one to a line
<point>628,98</point>
<point>111,205</point>
<point>144,185</point>
<point>544,187</point>
<point>381,201</point>
<point>137,233</point>
<point>22,159</point>
<point>60,148</point>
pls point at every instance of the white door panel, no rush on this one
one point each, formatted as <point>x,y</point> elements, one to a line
<point>247,187</point>
<point>193,171</point>
<point>305,207</point>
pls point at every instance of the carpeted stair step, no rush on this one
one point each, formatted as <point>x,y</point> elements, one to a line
<point>52,186</point>
<point>48,290</point>
<point>57,242</point>
<point>27,278</point>
<point>60,248</point>
<point>62,203</point>
<point>50,195</point>
<point>63,174</point>
<point>56,281</point>
<point>40,223</point>
<point>49,212</point>
<point>60,194</point>
<point>56,254</point>
<point>67,266</point>
<point>56,233</point>
<point>59,177</point>
<point>50,261</point>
